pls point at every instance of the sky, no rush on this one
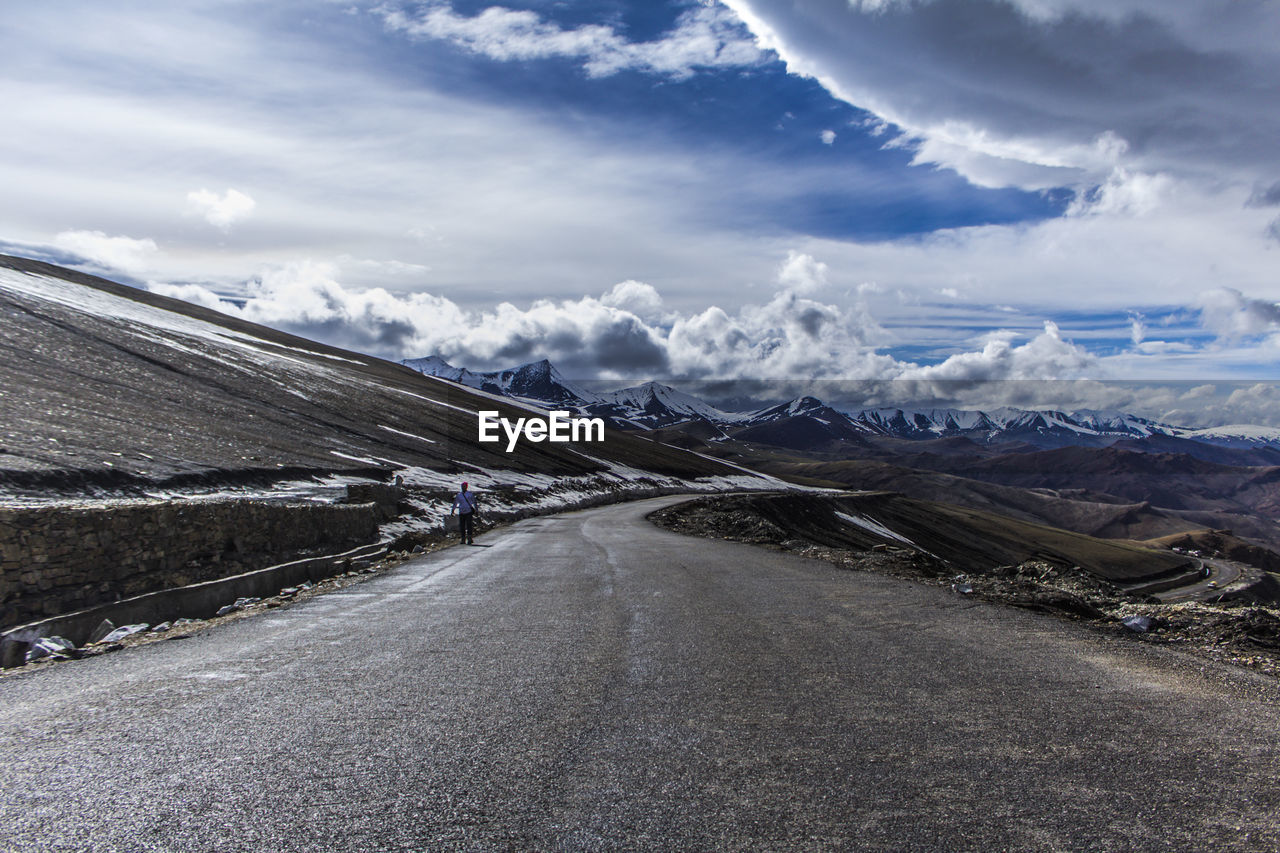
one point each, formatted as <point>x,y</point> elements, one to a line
<point>916,191</point>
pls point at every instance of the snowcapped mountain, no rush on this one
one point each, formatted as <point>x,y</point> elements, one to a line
<point>1235,435</point>
<point>926,423</point>
<point>804,423</point>
<point>538,381</point>
<point>648,406</point>
<point>810,421</point>
<point>654,405</point>
<point>1006,424</point>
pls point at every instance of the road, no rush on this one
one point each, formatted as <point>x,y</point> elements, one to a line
<point>589,682</point>
<point>1218,575</point>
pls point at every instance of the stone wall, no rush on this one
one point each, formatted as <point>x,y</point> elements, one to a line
<point>55,559</point>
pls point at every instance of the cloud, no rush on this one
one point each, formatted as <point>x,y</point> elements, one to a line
<point>626,332</point>
<point>1265,196</point>
<point>828,137</point>
<point>128,254</point>
<point>1137,329</point>
<point>637,297</point>
<point>1232,316</point>
<point>1047,355</point>
<point>706,36</point>
<point>220,211</point>
<point>801,273</point>
<point>1038,93</point>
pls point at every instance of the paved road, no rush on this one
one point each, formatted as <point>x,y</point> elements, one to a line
<point>1222,574</point>
<point>588,682</point>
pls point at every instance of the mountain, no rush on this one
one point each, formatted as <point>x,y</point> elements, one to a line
<point>1226,453</point>
<point>654,405</point>
<point>111,391</point>
<point>657,406</point>
<point>538,382</point>
<point>927,423</point>
<point>1236,435</point>
<point>805,423</point>
<point>1038,427</point>
<point>648,406</point>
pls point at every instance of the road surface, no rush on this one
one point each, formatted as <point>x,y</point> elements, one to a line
<point>589,682</point>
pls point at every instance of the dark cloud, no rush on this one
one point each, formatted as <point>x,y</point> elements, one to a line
<point>628,346</point>
<point>1265,196</point>
<point>1181,95</point>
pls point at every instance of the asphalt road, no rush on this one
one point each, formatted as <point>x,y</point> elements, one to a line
<point>589,682</point>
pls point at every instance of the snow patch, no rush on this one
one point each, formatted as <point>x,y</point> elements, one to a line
<point>873,526</point>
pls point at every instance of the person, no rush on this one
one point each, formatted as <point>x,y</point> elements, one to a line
<point>464,504</point>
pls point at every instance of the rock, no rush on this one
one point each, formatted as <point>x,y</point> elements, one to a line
<point>124,631</point>
<point>962,588</point>
<point>56,647</point>
<point>1136,623</point>
<point>418,549</point>
<point>290,591</point>
<point>227,608</point>
<point>162,627</point>
<point>105,627</point>
<point>245,602</point>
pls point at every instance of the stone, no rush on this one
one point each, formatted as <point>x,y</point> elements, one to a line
<point>124,631</point>
<point>58,647</point>
<point>1136,623</point>
<point>105,627</point>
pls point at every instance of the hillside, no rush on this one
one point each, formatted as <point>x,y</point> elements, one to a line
<point>109,390</point>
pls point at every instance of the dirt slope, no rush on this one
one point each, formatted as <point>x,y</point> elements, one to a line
<point>107,386</point>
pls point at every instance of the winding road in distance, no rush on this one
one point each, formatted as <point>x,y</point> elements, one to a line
<point>590,682</point>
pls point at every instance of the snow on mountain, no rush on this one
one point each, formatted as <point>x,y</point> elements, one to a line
<point>805,423</point>
<point>654,405</point>
<point>648,406</point>
<point>1003,422</point>
<point>907,423</point>
<point>799,407</point>
<point>1235,435</point>
<point>537,381</point>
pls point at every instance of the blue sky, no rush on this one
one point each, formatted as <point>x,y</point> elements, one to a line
<point>925,190</point>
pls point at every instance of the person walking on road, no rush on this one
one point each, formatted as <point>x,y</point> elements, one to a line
<point>464,504</point>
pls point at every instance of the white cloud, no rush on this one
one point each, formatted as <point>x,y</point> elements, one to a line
<point>637,297</point>
<point>1137,328</point>
<point>801,273</point>
<point>220,211</point>
<point>1124,193</point>
<point>128,254</point>
<point>706,36</point>
<point>828,137</point>
<point>1046,356</point>
<point>1232,316</point>
<point>626,332</point>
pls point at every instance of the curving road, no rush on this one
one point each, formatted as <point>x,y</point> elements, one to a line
<point>588,682</point>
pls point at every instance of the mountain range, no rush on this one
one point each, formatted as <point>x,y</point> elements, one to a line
<point>809,423</point>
